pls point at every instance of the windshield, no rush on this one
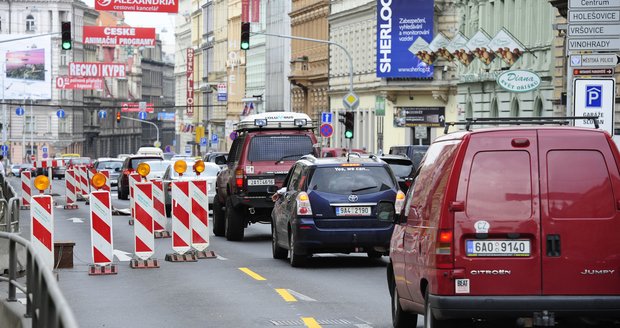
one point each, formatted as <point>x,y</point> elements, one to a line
<point>111,165</point>
<point>80,161</point>
<point>351,180</point>
<point>400,167</point>
<point>134,162</point>
<point>279,147</point>
<point>158,166</point>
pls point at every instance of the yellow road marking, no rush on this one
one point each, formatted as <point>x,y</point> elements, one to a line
<point>310,322</point>
<point>252,274</point>
<point>286,295</point>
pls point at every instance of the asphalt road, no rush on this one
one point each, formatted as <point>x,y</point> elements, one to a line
<point>243,287</point>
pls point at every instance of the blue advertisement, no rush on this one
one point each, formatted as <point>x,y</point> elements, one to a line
<point>404,31</point>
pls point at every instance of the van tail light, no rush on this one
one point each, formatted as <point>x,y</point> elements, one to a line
<point>443,250</point>
<point>303,204</point>
<point>400,202</point>
<point>239,177</point>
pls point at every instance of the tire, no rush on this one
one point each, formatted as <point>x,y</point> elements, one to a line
<point>431,322</point>
<point>278,252</point>
<point>296,260</point>
<point>234,223</point>
<point>400,318</point>
<point>219,220</point>
<point>122,195</point>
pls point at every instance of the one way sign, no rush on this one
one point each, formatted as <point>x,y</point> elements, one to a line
<point>326,117</point>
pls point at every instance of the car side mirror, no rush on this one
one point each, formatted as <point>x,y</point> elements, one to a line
<point>386,212</point>
<point>220,160</point>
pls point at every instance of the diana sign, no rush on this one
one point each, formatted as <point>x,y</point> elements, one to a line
<point>519,81</point>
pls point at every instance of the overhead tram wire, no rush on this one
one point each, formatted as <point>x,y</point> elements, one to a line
<point>103,106</point>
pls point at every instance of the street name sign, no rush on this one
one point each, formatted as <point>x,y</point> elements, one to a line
<point>593,71</point>
<point>595,97</point>
<point>594,16</point>
<point>594,60</point>
<point>593,4</point>
<point>604,44</point>
<point>593,30</point>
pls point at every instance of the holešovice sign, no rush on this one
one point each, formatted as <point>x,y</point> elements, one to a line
<point>151,6</point>
<point>519,81</point>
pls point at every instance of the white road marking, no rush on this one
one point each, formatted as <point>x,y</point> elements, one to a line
<point>76,220</point>
<point>301,296</point>
<point>122,256</point>
<point>221,258</point>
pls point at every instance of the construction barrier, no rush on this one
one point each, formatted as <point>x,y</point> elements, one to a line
<point>159,210</point>
<point>133,178</point>
<point>70,190</point>
<point>83,180</point>
<point>48,164</point>
<point>42,227</point>
<point>26,178</point>
<point>101,236</point>
<point>143,226</point>
<point>108,184</point>
<point>199,218</point>
<point>181,231</point>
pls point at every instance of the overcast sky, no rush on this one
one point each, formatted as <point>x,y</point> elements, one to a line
<point>162,22</point>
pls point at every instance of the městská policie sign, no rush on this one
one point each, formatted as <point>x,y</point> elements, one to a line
<point>519,81</point>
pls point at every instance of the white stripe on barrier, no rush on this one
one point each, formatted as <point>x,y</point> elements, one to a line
<point>199,214</point>
<point>133,178</point>
<point>143,223</point>
<point>101,232</point>
<point>83,180</point>
<point>42,228</point>
<point>181,233</point>
<point>159,206</point>
<point>70,187</point>
<point>26,188</point>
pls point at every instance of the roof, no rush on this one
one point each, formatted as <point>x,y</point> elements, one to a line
<point>275,120</point>
<point>351,159</point>
<point>461,134</point>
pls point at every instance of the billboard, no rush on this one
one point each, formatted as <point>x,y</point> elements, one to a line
<point>403,28</point>
<point>134,107</point>
<point>189,99</point>
<point>27,69</point>
<point>419,116</point>
<point>79,83</point>
<point>150,6</point>
<point>81,69</point>
<point>119,36</point>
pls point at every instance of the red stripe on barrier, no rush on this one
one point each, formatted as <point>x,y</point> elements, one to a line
<point>102,228</point>
<point>103,198</point>
<point>178,241</point>
<point>142,216</point>
<point>184,187</point>
<point>141,246</point>
<point>182,216</point>
<point>45,203</point>
<point>158,205</point>
<point>42,234</point>
<point>99,257</point>
<point>197,238</point>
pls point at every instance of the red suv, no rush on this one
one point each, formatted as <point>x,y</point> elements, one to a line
<point>510,223</point>
<point>266,147</point>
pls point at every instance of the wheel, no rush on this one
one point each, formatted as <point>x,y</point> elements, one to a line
<point>374,254</point>
<point>278,252</point>
<point>234,223</point>
<point>295,259</point>
<point>121,195</point>
<point>219,220</point>
<point>400,318</point>
<point>431,322</point>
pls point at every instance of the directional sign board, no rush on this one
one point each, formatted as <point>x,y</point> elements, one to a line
<point>594,16</point>
<point>595,97</point>
<point>593,71</point>
<point>593,4</point>
<point>605,44</point>
<point>593,30</point>
<point>594,60</point>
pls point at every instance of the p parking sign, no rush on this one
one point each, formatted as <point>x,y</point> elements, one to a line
<point>594,93</point>
<point>595,97</point>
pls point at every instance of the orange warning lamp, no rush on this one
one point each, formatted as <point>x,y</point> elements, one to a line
<point>199,167</point>
<point>180,167</point>
<point>98,180</point>
<point>41,182</point>
<point>143,169</point>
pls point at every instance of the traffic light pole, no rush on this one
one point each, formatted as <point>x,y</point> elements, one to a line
<point>143,121</point>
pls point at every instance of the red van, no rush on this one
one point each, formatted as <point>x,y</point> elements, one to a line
<point>510,223</point>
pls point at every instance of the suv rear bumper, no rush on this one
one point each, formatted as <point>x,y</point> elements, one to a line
<point>258,202</point>
<point>446,307</point>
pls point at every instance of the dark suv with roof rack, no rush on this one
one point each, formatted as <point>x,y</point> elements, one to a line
<point>265,148</point>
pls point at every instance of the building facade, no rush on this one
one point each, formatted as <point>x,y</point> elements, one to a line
<point>183,122</point>
<point>277,56</point>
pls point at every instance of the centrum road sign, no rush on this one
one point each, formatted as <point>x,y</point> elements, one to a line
<point>593,4</point>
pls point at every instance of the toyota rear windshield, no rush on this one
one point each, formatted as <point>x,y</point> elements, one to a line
<point>279,147</point>
<point>358,180</point>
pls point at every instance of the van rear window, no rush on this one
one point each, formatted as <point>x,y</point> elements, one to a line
<point>279,147</point>
<point>500,185</point>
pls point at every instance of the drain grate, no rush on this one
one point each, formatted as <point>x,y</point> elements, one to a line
<point>322,322</point>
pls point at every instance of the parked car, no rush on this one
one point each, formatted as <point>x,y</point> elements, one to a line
<point>14,170</point>
<point>158,168</point>
<point>129,166</point>
<point>150,151</point>
<point>122,156</point>
<point>329,205</point>
<point>58,172</point>
<point>507,223</point>
<point>414,152</point>
<point>210,174</point>
<point>266,147</point>
<point>113,165</point>
<point>403,169</point>
<point>26,167</point>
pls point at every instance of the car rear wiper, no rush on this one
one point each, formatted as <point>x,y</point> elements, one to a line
<point>287,156</point>
<point>362,189</point>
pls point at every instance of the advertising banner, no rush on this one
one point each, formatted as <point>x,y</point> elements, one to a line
<point>79,83</point>
<point>26,66</point>
<point>165,117</point>
<point>150,6</point>
<point>402,24</point>
<point>189,100</point>
<point>119,36</point>
<point>132,107</point>
<point>245,10</point>
<point>96,69</point>
<point>419,116</point>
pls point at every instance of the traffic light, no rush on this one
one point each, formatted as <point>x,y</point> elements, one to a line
<point>348,119</point>
<point>245,35</point>
<point>66,36</point>
<point>118,117</point>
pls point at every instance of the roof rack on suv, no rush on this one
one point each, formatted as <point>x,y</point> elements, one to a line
<point>536,120</point>
<point>275,120</point>
<point>309,157</point>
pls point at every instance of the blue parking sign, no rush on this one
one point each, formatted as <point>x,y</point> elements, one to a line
<point>594,96</point>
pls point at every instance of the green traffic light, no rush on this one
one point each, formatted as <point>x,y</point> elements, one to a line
<point>66,45</point>
<point>245,45</point>
<point>348,134</point>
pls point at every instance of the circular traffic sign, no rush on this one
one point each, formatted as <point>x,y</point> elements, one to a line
<point>326,130</point>
<point>60,113</point>
<point>4,148</point>
<point>102,114</point>
<point>45,155</point>
<point>233,135</point>
<point>19,111</point>
<point>142,115</point>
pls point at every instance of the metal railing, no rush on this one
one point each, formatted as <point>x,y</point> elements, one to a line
<point>9,210</point>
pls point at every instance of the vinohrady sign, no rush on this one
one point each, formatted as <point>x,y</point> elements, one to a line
<point>519,81</point>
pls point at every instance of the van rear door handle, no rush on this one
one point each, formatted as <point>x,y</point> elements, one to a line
<point>457,206</point>
<point>553,246</point>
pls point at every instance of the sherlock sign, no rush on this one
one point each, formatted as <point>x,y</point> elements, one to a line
<point>419,116</point>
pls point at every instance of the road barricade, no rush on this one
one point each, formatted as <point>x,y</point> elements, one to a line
<point>48,164</point>
<point>181,230</point>
<point>42,227</point>
<point>83,180</point>
<point>199,219</point>
<point>133,178</point>
<point>143,227</point>
<point>101,236</point>
<point>26,178</point>
<point>70,190</point>
<point>159,210</point>
<point>108,184</point>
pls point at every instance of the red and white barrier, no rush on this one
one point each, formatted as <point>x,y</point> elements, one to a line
<point>83,179</point>
<point>133,179</point>
<point>159,210</point>
<point>70,190</point>
<point>101,236</point>
<point>199,218</point>
<point>42,228</point>
<point>143,226</point>
<point>48,163</point>
<point>181,230</point>
<point>26,178</point>
<point>108,184</point>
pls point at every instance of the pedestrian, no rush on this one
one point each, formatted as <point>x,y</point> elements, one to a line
<point>2,166</point>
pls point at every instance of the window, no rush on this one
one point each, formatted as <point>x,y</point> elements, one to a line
<point>295,176</point>
<point>30,124</point>
<point>500,185</point>
<point>514,107</point>
<point>579,185</point>
<point>494,108</point>
<point>30,23</point>
<point>538,107</point>
<point>63,125</point>
<point>359,180</point>
<point>279,147</point>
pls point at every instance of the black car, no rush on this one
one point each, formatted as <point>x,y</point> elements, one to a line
<point>414,152</point>
<point>403,169</point>
<point>129,166</point>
